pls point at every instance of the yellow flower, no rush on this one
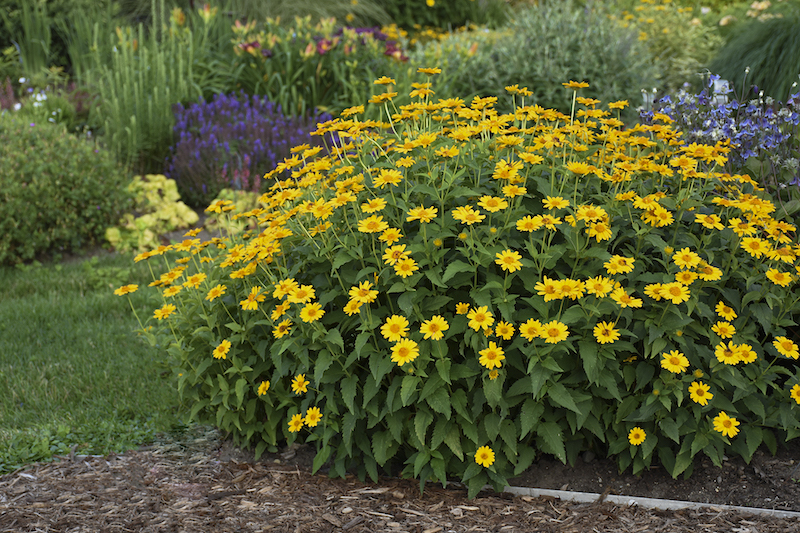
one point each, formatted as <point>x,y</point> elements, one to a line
<point>686,277</point>
<point>509,260</point>
<point>296,423</point>
<point>282,329</point>
<point>636,436</point>
<point>300,384</point>
<point>786,347</point>
<point>480,318</point>
<point>555,202</point>
<point>554,332</point>
<point>726,425</point>
<point>404,351</point>
<point>216,292</point>
<point>395,328</point>
<point>675,362</point>
<point>352,307</point>
<point>528,223</point>
<point>605,332</point>
<point>579,168</point>
<point>512,191</point>
<point>172,291</point>
<point>727,353</point>
<point>383,80</point>
<point>504,330</point>
<point>372,224</point>
<point>302,294</point>
<point>221,351</point>
<point>279,311</point>
<point>467,215</point>
<point>698,392</point>
<point>393,254</point>
<point>575,84</point>
<point>725,312</point>
<point>263,388</point>
<point>363,293</point>
<point>434,328</point>
<point>624,299</point>
<point>164,311</point>
<point>530,329</point>
<point>493,204</point>
<point>686,258</point>
<point>462,308</point>
<point>675,292</point>
<point>311,312</point>
<point>374,205</point>
<point>654,291</point>
<point>600,286</point>
<point>724,329</point>
<point>779,278</point>
<point>484,456</point>
<point>795,393</point>
<point>313,416</point>
<point>549,288</point>
<point>755,246</point>
<point>600,231</point>
<point>619,265</point>
<point>492,356</point>
<point>126,289</point>
<point>284,287</point>
<point>405,267</point>
<point>423,214</point>
<point>429,71</point>
<point>253,299</point>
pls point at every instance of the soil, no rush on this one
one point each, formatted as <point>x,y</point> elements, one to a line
<point>197,482</point>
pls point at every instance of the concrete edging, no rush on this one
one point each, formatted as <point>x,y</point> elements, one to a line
<point>647,503</point>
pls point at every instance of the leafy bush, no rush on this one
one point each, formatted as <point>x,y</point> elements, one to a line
<point>157,210</point>
<point>458,290</point>
<point>417,14</point>
<point>676,38</point>
<point>303,66</point>
<point>231,142</point>
<point>763,134</point>
<point>770,49</point>
<point>58,192</point>
<point>546,44</point>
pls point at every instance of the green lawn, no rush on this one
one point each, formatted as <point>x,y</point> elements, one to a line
<point>72,370</point>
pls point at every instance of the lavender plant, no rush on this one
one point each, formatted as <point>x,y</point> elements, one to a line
<point>763,133</point>
<point>230,142</point>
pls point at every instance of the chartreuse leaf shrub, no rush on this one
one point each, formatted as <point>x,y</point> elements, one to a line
<point>58,192</point>
<point>454,291</point>
<point>157,210</point>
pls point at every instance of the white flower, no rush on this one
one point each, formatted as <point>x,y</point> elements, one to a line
<point>22,80</point>
<point>17,106</point>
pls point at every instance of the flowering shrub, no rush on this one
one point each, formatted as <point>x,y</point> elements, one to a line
<point>675,36</point>
<point>458,290</point>
<point>303,66</point>
<point>59,193</point>
<point>763,133</point>
<point>231,142</point>
<point>545,44</point>
<point>157,210</point>
<point>416,14</point>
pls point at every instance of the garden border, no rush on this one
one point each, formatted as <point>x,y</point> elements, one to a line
<point>647,503</point>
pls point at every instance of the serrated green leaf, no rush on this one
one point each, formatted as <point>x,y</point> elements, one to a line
<point>553,440</point>
<point>453,441</point>
<point>560,395</point>
<point>454,268</point>
<point>349,390</point>
<point>408,389</point>
<point>422,420</point>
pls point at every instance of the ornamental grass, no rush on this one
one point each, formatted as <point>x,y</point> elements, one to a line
<point>451,292</point>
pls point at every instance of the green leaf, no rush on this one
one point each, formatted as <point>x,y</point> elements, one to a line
<point>240,386</point>
<point>553,440</point>
<point>440,401</point>
<point>670,429</point>
<point>560,395</point>
<point>530,415</point>
<point>682,462</point>
<point>408,389</point>
<point>754,438</point>
<point>406,302</point>
<point>454,268</point>
<point>491,424</point>
<point>588,352</point>
<point>443,368</point>
<point>349,390</point>
<point>323,363</point>
<point>422,420</point>
<point>453,441</point>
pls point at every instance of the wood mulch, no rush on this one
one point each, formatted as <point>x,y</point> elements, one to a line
<point>193,487</point>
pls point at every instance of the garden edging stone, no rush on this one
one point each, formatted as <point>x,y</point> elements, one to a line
<point>647,503</point>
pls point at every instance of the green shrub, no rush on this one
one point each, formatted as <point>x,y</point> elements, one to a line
<point>58,193</point>
<point>157,210</point>
<point>417,14</point>
<point>460,290</point>
<point>770,49</point>
<point>676,38</point>
<point>544,45</point>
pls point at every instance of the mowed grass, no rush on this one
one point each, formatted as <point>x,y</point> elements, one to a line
<point>73,373</point>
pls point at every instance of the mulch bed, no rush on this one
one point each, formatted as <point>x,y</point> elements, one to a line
<point>195,486</point>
